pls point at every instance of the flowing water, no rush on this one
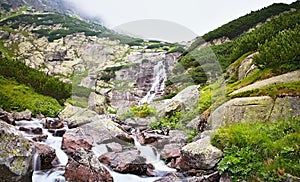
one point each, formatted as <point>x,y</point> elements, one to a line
<point>56,174</point>
<point>158,84</point>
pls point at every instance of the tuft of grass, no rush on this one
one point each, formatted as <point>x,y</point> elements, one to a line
<point>260,151</point>
<point>18,97</point>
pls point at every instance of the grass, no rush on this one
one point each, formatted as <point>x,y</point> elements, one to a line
<point>260,151</point>
<point>18,97</point>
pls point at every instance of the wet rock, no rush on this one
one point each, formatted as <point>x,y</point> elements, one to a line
<point>175,136</point>
<point>25,115</point>
<point>125,137</point>
<point>97,103</point>
<point>84,166</point>
<point>149,136</point>
<point>58,132</point>
<point>171,177</point>
<point>75,139</point>
<point>46,155</point>
<point>171,151</point>
<point>40,138</point>
<point>199,155</point>
<point>241,110</point>
<point>125,162</point>
<point>7,117</point>
<point>31,130</point>
<point>16,154</point>
<point>51,123</point>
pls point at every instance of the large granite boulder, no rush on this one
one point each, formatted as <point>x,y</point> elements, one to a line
<point>241,110</point>
<point>285,108</point>
<point>97,103</point>
<point>83,165</point>
<point>46,155</point>
<point>186,99</point>
<point>16,154</point>
<point>199,155</point>
<point>77,116</point>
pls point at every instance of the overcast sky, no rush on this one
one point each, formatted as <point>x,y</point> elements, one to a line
<point>197,16</point>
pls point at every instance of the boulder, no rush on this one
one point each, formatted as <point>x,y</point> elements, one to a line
<point>175,136</point>
<point>186,99</point>
<point>139,122</point>
<point>84,166</point>
<point>205,178</point>
<point>170,151</point>
<point>104,130</point>
<point>75,139</point>
<point>46,155</point>
<point>114,147</point>
<point>25,115</point>
<point>16,154</point>
<point>246,109</point>
<point>97,103</point>
<point>285,108</point>
<point>125,162</point>
<point>77,116</point>
<point>7,117</point>
<point>200,155</point>
<point>171,177</point>
<point>55,123</point>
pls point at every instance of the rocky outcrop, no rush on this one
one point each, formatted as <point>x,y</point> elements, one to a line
<point>199,155</point>
<point>241,110</point>
<point>7,117</point>
<point>16,154</point>
<point>84,166</point>
<point>125,162</point>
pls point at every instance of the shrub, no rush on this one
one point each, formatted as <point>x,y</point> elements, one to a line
<point>142,111</point>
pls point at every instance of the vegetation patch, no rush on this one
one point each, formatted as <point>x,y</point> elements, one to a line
<point>19,97</point>
<point>260,151</point>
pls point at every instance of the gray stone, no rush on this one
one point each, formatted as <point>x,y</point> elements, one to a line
<point>247,109</point>
<point>285,108</point>
<point>200,155</point>
<point>247,66</point>
<point>25,115</point>
<point>96,103</point>
<point>16,154</point>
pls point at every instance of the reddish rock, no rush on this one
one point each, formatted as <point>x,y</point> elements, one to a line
<point>171,177</point>
<point>53,123</point>
<point>25,115</point>
<point>171,151</point>
<point>75,139</point>
<point>46,155</point>
<point>114,147</point>
<point>84,166</point>
<point>57,132</point>
<point>125,137</point>
<point>125,162</point>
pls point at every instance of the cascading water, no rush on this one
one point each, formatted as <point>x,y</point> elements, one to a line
<point>158,84</point>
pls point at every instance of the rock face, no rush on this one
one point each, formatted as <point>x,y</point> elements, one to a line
<point>15,155</point>
<point>84,166</point>
<point>199,155</point>
<point>285,108</point>
<point>241,110</point>
<point>125,162</point>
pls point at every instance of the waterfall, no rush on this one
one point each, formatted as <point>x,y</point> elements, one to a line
<point>36,162</point>
<point>158,84</point>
